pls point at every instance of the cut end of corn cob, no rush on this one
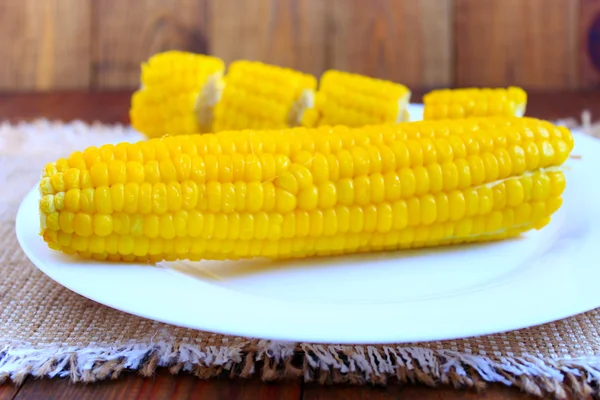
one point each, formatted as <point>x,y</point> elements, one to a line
<point>171,83</point>
<point>474,102</point>
<point>305,192</point>
<point>262,96</point>
<point>300,107</point>
<point>207,100</point>
<point>356,100</point>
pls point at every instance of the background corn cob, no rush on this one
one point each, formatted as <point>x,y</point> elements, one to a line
<point>167,101</point>
<point>474,102</point>
<point>304,192</point>
<point>356,100</point>
<point>261,96</point>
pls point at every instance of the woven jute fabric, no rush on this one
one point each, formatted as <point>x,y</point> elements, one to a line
<point>47,330</point>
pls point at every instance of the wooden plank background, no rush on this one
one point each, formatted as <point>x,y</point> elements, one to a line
<point>99,44</point>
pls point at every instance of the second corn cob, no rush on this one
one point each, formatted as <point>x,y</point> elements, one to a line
<point>305,192</point>
<point>261,96</point>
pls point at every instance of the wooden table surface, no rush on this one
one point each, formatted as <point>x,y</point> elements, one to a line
<point>112,107</point>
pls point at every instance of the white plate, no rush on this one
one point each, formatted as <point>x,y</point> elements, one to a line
<point>379,298</point>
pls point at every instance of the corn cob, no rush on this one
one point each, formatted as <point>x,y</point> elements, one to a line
<point>474,102</point>
<point>168,99</point>
<point>262,96</point>
<point>305,192</point>
<point>356,100</point>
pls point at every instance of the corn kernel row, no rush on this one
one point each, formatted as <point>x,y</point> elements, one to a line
<point>414,144</point>
<point>423,210</point>
<point>316,237</point>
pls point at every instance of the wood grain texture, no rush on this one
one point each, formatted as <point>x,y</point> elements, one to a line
<point>107,107</point>
<point>44,44</point>
<point>112,107</point>
<point>313,392</point>
<point>99,44</point>
<point>78,44</point>
<point>125,33</point>
<point>8,391</point>
<point>405,41</point>
<point>393,392</point>
<point>289,33</point>
<point>589,39</point>
<point>532,43</point>
<point>163,386</point>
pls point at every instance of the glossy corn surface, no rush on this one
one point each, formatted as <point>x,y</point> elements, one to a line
<point>261,96</point>
<point>305,192</point>
<point>357,100</point>
<point>167,100</point>
<point>474,102</point>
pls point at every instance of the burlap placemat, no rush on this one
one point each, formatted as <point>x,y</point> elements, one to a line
<point>47,330</point>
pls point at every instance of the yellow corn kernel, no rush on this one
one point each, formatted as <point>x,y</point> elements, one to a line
<point>261,96</point>
<point>171,92</point>
<point>356,100</point>
<point>474,102</point>
<point>414,184</point>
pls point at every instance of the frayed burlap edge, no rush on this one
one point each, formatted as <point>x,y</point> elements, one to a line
<point>323,364</point>
<point>584,125</point>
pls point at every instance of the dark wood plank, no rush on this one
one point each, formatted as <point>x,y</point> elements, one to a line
<point>72,44</point>
<point>493,392</point>
<point>44,44</point>
<point>161,387</point>
<point>187,387</point>
<point>289,33</point>
<point>8,391</point>
<point>530,43</point>
<point>589,38</point>
<point>405,41</point>
<point>107,107</point>
<point>126,33</point>
<point>112,107</point>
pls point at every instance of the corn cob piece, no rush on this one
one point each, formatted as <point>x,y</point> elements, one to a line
<point>169,99</point>
<point>357,100</point>
<point>262,96</point>
<point>474,102</point>
<point>305,192</point>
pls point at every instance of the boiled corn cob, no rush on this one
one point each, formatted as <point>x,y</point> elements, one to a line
<point>168,100</point>
<point>305,192</point>
<point>262,96</point>
<point>356,100</point>
<point>474,102</point>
